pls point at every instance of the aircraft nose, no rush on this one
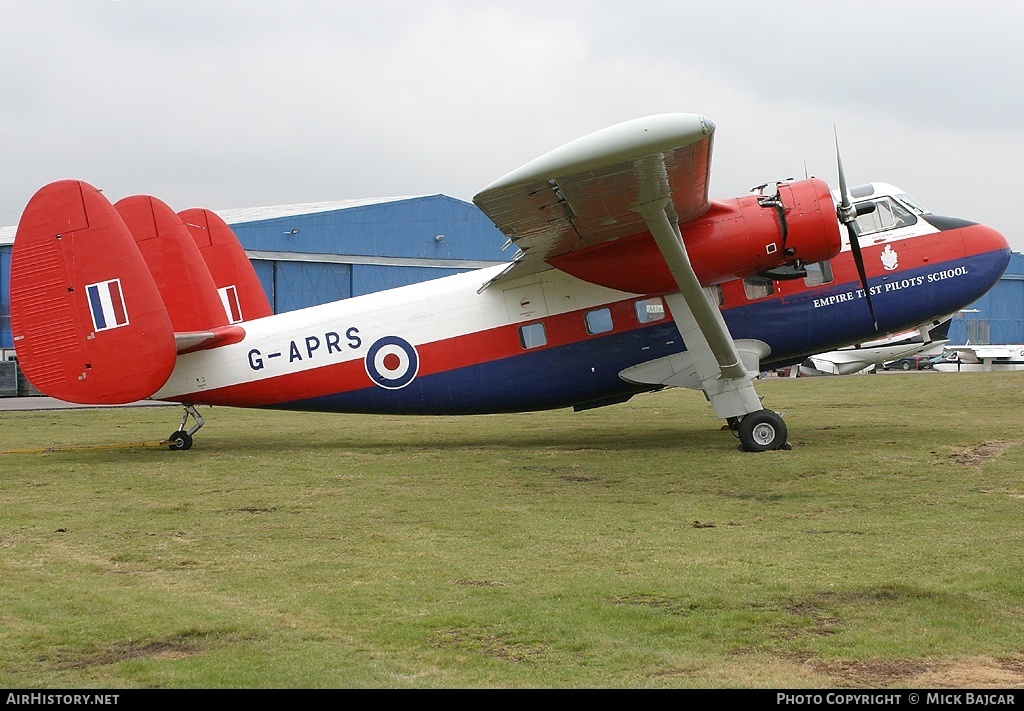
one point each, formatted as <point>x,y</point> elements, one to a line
<point>988,250</point>
<point>986,239</point>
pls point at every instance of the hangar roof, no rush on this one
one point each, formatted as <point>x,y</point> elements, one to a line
<point>253,214</point>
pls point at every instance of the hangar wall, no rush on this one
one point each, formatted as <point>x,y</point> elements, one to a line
<point>998,316</point>
<point>5,297</point>
<point>314,253</point>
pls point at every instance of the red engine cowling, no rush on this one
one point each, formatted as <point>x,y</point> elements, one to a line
<point>734,239</point>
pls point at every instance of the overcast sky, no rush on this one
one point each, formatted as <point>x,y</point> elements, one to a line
<point>241,103</point>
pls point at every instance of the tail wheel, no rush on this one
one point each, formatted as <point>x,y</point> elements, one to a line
<point>762,431</point>
<point>179,440</point>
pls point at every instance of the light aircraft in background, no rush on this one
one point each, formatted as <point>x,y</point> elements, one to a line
<point>928,339</point>
<point>981,358</point>
<point>627,279</point>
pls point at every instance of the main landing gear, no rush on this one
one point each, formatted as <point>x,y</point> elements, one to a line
<point>760,431</point>
<point>181,439</point>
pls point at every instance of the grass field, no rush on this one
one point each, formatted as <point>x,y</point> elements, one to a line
<point>630,546</point>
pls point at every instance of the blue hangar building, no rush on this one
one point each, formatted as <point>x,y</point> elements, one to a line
<point>314,253</point>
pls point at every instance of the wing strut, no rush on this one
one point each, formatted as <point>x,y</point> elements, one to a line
<point>724,379</point>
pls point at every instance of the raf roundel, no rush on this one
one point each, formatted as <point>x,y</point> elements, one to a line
<point>392,362</point>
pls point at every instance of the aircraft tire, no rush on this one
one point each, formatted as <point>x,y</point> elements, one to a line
<point>762,431</point>
<point>179,441</point>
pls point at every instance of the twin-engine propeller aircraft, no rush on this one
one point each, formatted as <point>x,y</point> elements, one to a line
<point>628,279</point>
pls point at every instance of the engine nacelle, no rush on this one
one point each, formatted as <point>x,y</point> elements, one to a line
<point>734,239</point>
<point>743,236</point>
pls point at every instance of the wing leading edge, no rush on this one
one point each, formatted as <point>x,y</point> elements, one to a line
<point>586,192</point>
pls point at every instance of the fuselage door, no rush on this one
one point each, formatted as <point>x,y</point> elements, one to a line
<point>526,302</point>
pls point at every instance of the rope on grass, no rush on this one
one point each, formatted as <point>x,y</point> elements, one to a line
<point>84,447</point>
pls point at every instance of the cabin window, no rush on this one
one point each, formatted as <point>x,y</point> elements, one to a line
<point>757,287</point>
<point>818,273</point>
<point>598,321</point>
<point>650,310</point>
<point>888,215</point>
<point>532,335</point>
<point>719,296</point>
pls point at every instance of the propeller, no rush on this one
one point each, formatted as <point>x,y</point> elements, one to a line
<point>847,214</point>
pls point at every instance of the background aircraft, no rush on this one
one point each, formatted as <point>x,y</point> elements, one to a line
<point>927,339</point>
<point>628,279</point>
<point>981,358</point>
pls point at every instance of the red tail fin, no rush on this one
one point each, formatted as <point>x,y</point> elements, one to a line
<point>240,289</point>
<point>89,325</point>
<point>186,287</point>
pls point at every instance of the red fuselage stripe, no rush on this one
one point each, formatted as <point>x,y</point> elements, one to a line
<point>563,329</point>
<point>436,357</point>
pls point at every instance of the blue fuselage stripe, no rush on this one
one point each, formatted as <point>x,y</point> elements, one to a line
<point>807,323</point>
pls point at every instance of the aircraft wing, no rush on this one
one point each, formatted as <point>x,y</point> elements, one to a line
<point>645,175</point>
<point>980,353</point>
<point>584,193</point>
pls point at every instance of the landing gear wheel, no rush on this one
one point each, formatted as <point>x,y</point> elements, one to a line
<point>180,440</point>
<point>762,431</point>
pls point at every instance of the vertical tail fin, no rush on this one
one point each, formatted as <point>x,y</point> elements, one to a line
<point>240,289</point>
<point>88,321</point>
<point>186,286</point>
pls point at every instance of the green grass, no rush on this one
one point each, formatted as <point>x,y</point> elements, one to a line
<point>631,546</point>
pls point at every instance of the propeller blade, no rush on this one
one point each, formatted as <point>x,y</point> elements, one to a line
<point>847,214</point>
<point>851,227</point>
<point>845,210</point>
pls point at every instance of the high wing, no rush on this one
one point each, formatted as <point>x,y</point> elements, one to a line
<point>586,192</point>
<point>645,175</point>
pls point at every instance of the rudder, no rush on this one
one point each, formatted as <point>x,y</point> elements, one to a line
<point>88,322</point>
<point>240,290</point>
<point>186,286</point>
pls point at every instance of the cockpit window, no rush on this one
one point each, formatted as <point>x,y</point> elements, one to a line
<point>888,215</point>
<point>910,202</point>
